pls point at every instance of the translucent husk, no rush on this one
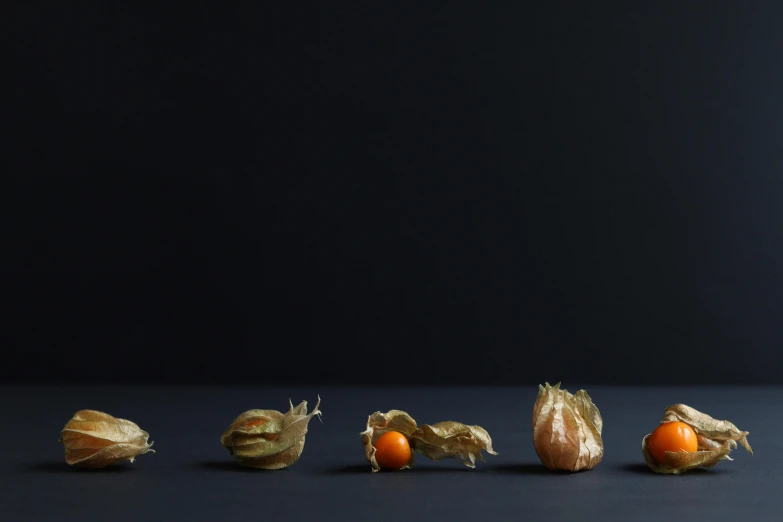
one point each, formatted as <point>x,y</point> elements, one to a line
<point>451,439</point>
<point>567,429</point>
<point>269,439</point>
<point>94,439</point>
<point>716,439</point>
<point>379,423</point>
<point>438,441</point>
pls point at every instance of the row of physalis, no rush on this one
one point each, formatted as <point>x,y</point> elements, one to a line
<point>566,435</point>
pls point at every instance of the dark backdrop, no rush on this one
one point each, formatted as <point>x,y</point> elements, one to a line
<point>393,192</point>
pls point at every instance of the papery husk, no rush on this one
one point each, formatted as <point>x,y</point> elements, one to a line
<point>567,429</point>
<point>269,439</point>
<point>716,439</point>
<point>451,439</point>
<point>379,423</point>
<point>94,439</point>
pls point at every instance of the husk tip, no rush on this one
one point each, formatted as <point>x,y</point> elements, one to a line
<point>745,443</point>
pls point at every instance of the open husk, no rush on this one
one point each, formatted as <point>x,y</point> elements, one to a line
<point>451,439</point>
<point>716,439</point>
<point>438,441</point>
<point>379,423</point>
<point>567,429</point>
<point>94,439</point>
<point>269,439</point>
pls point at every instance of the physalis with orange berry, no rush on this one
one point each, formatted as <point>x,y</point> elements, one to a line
<point>687,439</point>
<point>386,440</point>
<point>391,438</point>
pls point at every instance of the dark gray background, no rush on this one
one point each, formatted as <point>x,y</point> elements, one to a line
<point>392,193</point>
<point>191,477</point>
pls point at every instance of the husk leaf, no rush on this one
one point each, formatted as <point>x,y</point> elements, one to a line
<point>379,423</point>
<point>451,439</point>
<point>269,439</point>
<point>716,439</point>
<point>94,439</point>
<point>706,426</point>
<point>567,429</point>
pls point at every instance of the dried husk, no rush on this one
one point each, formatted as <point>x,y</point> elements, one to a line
<point>94,439</point>
<point>379,423</point>
<point>716,439</point>
<point>269,439</point>
<point>451,439</point>
<point>567,429</point>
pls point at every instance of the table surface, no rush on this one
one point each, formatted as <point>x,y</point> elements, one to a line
<point>191,477</point>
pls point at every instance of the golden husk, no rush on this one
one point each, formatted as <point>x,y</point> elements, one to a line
<point>716,439</point>
<point>567,429</point>
<point>451,439</point>
<point>269,439</point>
<point>94,439</point>
<point>379,423</point>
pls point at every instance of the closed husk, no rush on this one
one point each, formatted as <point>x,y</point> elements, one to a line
<point>94,439</point>
<point>269,439</point>
<point>567,429</point>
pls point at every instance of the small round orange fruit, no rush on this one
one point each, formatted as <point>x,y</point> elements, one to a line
<point>671,436</point>
<point>392,450</point>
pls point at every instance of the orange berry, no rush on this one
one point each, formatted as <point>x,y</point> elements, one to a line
<point>392,450</point>
<point>671,436</point>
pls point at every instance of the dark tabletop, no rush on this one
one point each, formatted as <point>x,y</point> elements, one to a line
<point>191,477</point>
